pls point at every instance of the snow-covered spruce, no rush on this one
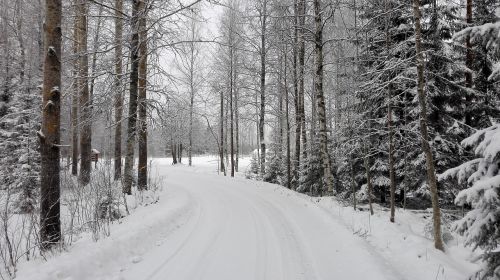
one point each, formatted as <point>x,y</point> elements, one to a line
<point>482,176</point>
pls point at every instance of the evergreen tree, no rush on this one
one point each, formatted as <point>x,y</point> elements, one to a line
<point>274,167</point>
<point>482,176</point>
<point>311,174</point>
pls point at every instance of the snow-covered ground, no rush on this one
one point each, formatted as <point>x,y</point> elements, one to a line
<point>207,226</point>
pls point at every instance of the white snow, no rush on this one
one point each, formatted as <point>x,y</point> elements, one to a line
<point>206,226</point>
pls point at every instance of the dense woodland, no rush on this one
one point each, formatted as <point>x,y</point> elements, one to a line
<point>370,101</point>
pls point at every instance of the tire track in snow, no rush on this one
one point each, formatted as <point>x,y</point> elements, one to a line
<point>249,230</point>
<point>293,254</point>
<point>295,250</point>
<point>204,261</point>
<point>182,244</point>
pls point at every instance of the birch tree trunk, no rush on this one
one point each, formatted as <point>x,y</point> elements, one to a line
<point>118,87</point>
<point>142,169</point>
<point>431,173</point>
<point>50,223</point>
<point>132,109</point>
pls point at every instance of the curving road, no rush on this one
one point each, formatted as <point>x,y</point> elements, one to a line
<point>237,229</point>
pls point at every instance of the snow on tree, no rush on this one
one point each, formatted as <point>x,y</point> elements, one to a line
<point>482,176</point>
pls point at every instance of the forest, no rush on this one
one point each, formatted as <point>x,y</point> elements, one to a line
<point>368,113</point>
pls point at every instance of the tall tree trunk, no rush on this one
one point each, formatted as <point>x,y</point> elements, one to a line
<point>301,54</point>
<point>431,173</point>
<point>173,149</point>
<point>263,87</point>
<point>231,88</point>
<point>22,48</point>
<point>392,175</point>
<point>191,93</point>
<point>132,109</point>
<point>469,60</point>
<point>74,97</point>
<point>221,151</point>
<point>231,112</point>
<point>85,101</point>
<point>323,132</point>
<point>287,119</point>
<point>236,117</point>
<point>179,154</point>
<point>366,161</point>
<point>142,169</point>
<point>281,115</point>
<point>50,223</point>
<point>226,132</point>
<point>5,95</point>
<point>94,53</point>
<point>298,126</point>
<point>118,87</point>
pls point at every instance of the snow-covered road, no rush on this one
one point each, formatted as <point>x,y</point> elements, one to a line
<point>241,229</point>
<point>209,227</point>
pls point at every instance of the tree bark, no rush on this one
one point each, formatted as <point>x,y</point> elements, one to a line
<point>74,97</point>
<point>132,109</point>
<point>392,176</point>
<point>173,149</point>
<point>50,223</point>
<point>191,92</point>
<point>85,101</point>
<point>118,87</point>
<point>222,168</point>
<point>366,161</point>
<point>431,174</point>
<point>298,126</point>
<point>320,99</point>
<point>94,53</point>
<point>236,117</point>
<point>142,169</point>
<point>179,154</point>
<point>263,87</point>
<point>287,119</point>
<point>301,54</point>
<point>231,88</point>
<point>231,111</point>
<point>469,60</point>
